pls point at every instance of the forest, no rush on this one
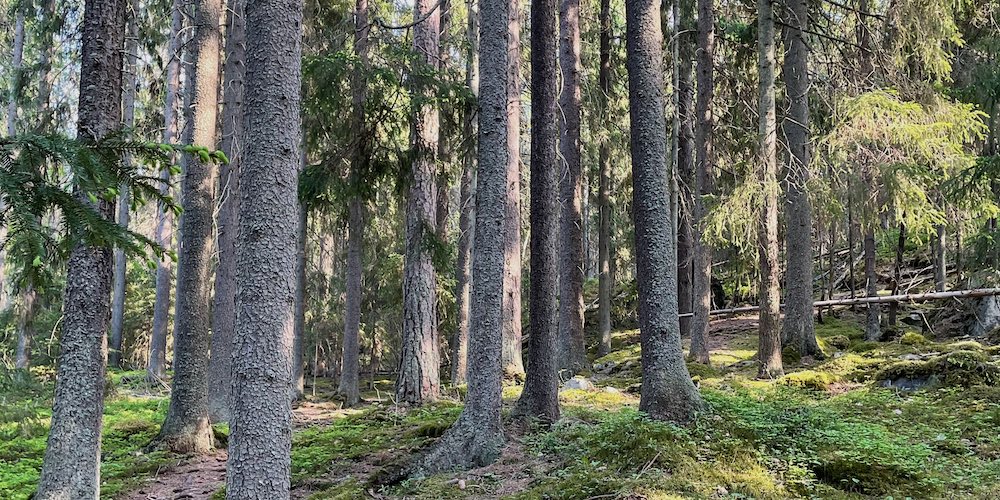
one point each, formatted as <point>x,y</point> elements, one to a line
<point>545,249</point>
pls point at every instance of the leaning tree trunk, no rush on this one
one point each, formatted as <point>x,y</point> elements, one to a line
<point>71,467</point>
<point>605,279</point>
<point>513,366</point>
<point>667,390</point>
<point>418,380</point>
<point>798,329</point>
<point>540,399</point>
<point>115,355</point>
<point>186,428</point>
<point>572,344</point>
<point>467,208</point>
<point>259,445</point>
<point>873,317</point>
<point>769,350</point>
<point>476,438</point>
<point>704,182</point>
<point>156,369</point>
<point>224,306</point>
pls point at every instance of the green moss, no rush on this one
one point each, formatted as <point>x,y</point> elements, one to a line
<point>958,368</point>
<point>809,379</point>
<point>913,339</point>
<point>791,355</point>
<point>839,342</point>
<point>864,346</point>
<point>701,371</point>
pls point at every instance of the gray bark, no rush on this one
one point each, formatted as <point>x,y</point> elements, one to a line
<point>260,443</point>
<point>115,354</point>
<point>186,428</point>
<point>224,305</point>
<point>897,273</point>
<point>940,244</point>
<point>443,207</point>
<point>667,391</point>
<point>704,182</point>
<point>26,327</point>
<point>476,438</point>
<point>513,365</point>
<point>298,385</point>
<point>769,349</point>
<point>350,365</point>
<point>873,317</point>
<point>605,279</point>
<point>684,66</point>
<point>798,329</point>
<point>51,23</point>
<point>418,380</point>
<point>572,344</point>
<point>467,209</point>
<point>17,53</point>
<point>71,467</point>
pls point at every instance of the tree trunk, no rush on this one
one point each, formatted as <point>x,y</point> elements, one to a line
<point>418,380</point>
<point>476,438</point>
<point>467,208</point>
<point>940,258</point>
<point>605,279</point>
<point>71,467</point>
<point>540,399</point>
<point>513,366</point>
<point>704,182</point>
<point>667,390</point>
<point>444,134</point>
<point>298,385</point>
<point>115,354</point>
<point>186,428</point>
<point>798,329</point>
<point>224,310</point>
<point>572,344</point>
<point>259,445</point>
<point>51,23</point>
<point>898,271</point>
<point>769,350</point>
<point>12,98</point>
<point>684,55</point>
<point>874,316</point>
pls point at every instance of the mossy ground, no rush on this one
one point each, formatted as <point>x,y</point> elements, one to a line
<point>825,430</point>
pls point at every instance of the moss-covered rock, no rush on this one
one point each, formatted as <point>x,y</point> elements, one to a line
<point>810,379</point>
<point>839,342</point>
<point>913,338</point>
<point>962,368</point>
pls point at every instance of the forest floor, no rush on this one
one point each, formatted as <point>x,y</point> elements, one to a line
<point>828,429</point>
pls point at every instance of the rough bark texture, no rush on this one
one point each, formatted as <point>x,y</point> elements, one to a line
<point>605,279</point>
<point>26,327</point>
<point>572,344</point>
<point>186,428</point>
<point>476,438</point>
<point>540,399</point>
<point>873,317</point>
<point>798,329</point>
<point>51,24</point>
<point>224,306</point>
<point>71,467</point>
<point>17,52</point>
<point>443,207</point>
<point>513,365</point>
<point>156,369</point>
<point>769,349</point>
<point>466,209</point>
<point>298,385</point>
<point>260,443</point>
<point>704,182</point>
<point>418,380</point>
<point>115,355</point>
<point>684,66</point>
<point>667,390</point>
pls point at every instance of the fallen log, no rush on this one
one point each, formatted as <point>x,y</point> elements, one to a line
<point>912,297</point>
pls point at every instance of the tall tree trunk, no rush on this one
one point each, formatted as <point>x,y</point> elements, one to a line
<point>224,306</point>
<point>444,134</point>
<point>769,350</point>
<point>186,428</point>
<point>704,181</point>
<point>418,380</point>
<point>476,438</point>
<point>940,258</point>
<point>467,207</point>
<point>115,354</point>
<point>873,331</point>
<point>685,29</point>
<point>667,390</point>
<point>605,279</point>
<point>897,273</point>
<point>540,398</point>
<point>51,24</point>
<point>156,369</point>
<point>12,98</point>
<point>298,385</point>
<point>513,366</point>
<point>798,329</point>
<point>260,442</point>
<point>71,467</point>
<point>572,344</point>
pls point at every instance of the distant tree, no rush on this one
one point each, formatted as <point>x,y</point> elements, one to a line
<point>605,279</point>
<point>513,365</point>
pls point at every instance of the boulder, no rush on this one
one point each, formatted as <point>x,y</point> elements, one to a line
<point>579,383</point>
<point>986,318</point>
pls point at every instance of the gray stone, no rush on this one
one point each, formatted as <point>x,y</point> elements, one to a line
<point>580,383</point>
